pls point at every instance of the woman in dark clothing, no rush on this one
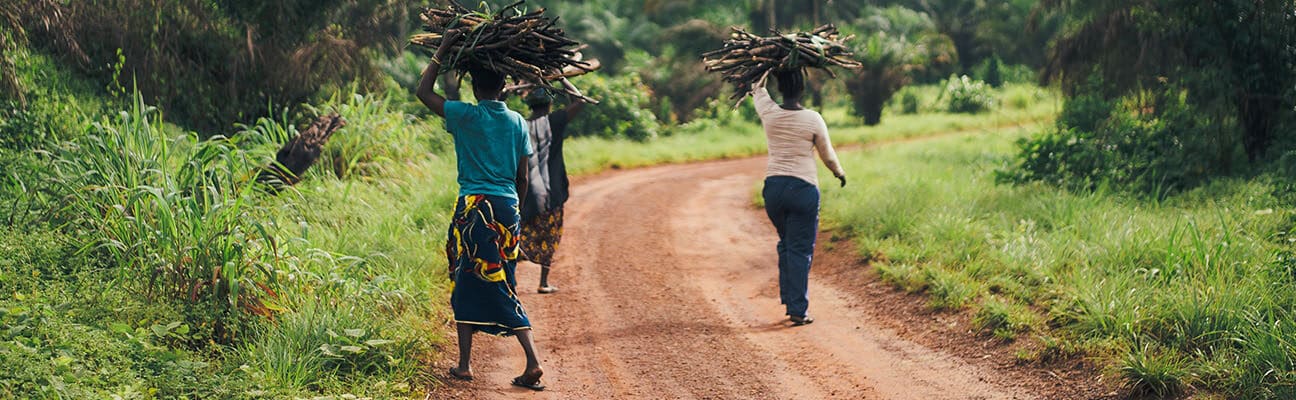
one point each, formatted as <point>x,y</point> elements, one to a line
<point>542,209</point>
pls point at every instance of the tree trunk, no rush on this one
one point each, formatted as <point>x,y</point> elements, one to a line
<point>297,156</point>
<point>817,11</point>
<point>770,15</point>
<point>1257,116</point>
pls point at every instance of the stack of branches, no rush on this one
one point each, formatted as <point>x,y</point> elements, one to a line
<point>527,46</point>
<point>746,58</point>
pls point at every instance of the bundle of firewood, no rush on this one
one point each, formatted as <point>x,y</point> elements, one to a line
<point>527,46</point>
<point>746,58</point>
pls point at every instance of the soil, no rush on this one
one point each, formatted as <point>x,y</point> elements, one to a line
<point>668,291</point>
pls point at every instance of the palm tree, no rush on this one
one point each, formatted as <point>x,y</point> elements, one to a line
<point>886,69</point>
<point>1233,57</point>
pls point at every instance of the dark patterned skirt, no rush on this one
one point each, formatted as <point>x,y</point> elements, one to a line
<point>540,236</point>
<point>482,250</point>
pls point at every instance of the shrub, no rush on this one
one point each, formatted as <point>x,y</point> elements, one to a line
<point>622,112</point>
<point>909,103</point>
<point>172,213</point>
<point>1155,143</point>
<point>965,95</point>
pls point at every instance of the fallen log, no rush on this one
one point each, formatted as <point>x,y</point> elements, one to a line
<point>300,153</point>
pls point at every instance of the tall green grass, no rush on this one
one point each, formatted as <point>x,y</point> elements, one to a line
<point>1191,293</point>
<point>173,212</point>
<point>330,288</point>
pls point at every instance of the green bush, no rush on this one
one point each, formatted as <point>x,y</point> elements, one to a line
<point>56,102</point>
<point>1155,144</point>
<point>965,95</point>
<point>623,109</point>
<point>909,103</point>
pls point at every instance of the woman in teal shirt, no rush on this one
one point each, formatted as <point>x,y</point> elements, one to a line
<point>492,148</point>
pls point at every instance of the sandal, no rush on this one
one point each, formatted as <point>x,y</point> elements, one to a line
<point>454,373</point>
<point>547,290</point>
<point>799,321</point>
<point>533,385</point>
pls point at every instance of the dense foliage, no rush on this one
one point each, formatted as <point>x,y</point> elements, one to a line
<point>214,62</point>
<point>1166,94</point>
<point>622,113</point>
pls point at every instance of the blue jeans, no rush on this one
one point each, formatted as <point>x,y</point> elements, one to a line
<point>793,206</point>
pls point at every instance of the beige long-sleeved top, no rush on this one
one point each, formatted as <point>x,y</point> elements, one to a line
<point>793,138</point>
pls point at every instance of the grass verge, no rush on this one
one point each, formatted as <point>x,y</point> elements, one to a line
<point>1193,293</point>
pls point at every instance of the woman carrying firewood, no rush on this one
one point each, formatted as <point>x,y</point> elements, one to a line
<point>794,135</point>
<point>492,148</point>
<point>542,209</point>
<point>791,190</point>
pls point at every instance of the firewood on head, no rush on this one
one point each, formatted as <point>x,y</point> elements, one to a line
<point>747,59</point>
<point>527,46</point>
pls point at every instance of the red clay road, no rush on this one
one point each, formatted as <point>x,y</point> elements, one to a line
<point>668,278</point>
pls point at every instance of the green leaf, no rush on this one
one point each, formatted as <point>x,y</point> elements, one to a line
<point>355,333</point>
<point>118,327</point>
<point>328,351</point>
<point>378,342</point>
<point>353,349</point>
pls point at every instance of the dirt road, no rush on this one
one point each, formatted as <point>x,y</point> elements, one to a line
<point>668,278</point>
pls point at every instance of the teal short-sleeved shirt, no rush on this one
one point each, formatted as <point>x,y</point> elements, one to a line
<point>489,141</point>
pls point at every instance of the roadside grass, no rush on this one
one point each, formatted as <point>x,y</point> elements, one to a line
<point>1191,293</point>
<point>154,268</point>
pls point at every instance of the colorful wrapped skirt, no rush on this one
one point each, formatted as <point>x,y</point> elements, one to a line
<point>482,250</point>
<point>540,236</point>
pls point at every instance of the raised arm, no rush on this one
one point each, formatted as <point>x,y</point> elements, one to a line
<point>576,105</point>
<point>427,86</point>
<point>761,98</point>
<point>826,153</point>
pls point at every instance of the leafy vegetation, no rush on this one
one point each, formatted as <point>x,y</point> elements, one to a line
<point>965,95</point>
<point>1191,292</point>
<point>1189,92</point>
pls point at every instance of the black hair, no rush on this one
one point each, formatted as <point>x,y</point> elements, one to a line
<point>791,82</point>
<point>486,80</point>
<point>539,97</point>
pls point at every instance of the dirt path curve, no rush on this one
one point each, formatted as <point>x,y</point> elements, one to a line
<point>668,278</point>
